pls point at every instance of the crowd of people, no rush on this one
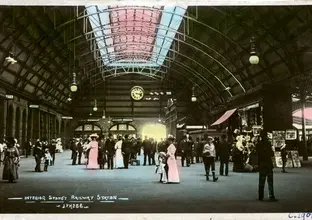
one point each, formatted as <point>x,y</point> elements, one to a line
<point>247,154</point>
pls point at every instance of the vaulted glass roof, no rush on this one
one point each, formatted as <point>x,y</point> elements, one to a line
<point>134,36</point>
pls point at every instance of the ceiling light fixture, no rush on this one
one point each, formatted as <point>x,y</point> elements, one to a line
<point>95,106</point>
<point>253,59</point>
<point>193,99</point>
<point>103,114</point>
<point>73,86</point>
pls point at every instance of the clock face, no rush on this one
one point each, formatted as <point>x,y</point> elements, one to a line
<point>137,93</point>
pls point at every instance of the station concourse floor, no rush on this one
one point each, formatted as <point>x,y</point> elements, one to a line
<point>236,193</point>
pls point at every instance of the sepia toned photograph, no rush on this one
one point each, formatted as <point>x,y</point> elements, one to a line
<point>155,108</point>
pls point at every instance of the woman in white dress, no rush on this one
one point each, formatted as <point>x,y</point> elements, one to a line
<point>118,155</point>
<point>141,156</point>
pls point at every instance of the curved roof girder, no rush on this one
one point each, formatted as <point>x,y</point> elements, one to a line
<point>177,39</point>
<point>196,73</point>
<point>181,73</point>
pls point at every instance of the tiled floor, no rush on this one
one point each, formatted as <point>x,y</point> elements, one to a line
<point>235,193</point>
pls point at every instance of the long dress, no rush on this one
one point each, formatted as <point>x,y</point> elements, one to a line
<point>93,156</point>
<point>118,156</point>
<point>11,161</point>
<point>141,157</point>
<point>173,173</point>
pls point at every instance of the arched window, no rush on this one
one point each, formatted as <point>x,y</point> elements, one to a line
<point>88,128</point>
<point>121,129</point>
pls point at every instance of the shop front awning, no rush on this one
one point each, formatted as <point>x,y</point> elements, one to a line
<point>224,117</point>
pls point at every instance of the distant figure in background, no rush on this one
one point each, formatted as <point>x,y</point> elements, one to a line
<point>198,150</point>
<point>80,151</point>
<point>101,158</point>
<point>110,151</point>
<point>94,152</point>
<point>265,165</point>
<point>126,150</point>
<point>184,148</point>
<point>74,148</point>
<point>224,150</point>
<point>38,153</point>
<point>119,163</point>
<point>52,150</point>
<point>47,159</point>
<point>10,161</point>
<point>147,147</point>
<point>284,156</point>
<point>153,150</point>
<point>1,152</point>
<point>28,146</point>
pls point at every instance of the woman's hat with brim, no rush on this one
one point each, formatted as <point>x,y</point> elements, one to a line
<point>170,137</point>
<point>94,136</point>
<point>210,138</point>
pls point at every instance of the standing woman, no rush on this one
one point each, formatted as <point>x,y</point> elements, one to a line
<point>173,173</point>
<point>10,161</point>
<point>93,154</point>
<point>119,161</point>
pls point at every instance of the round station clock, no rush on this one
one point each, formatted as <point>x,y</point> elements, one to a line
<point>137,93</point>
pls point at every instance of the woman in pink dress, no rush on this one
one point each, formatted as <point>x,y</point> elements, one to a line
<point>173,173</point>
<point>93,154</point>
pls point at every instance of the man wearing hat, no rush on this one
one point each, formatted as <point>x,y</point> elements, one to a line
<point>209,154</point>
<point>265,165</point>
<point>126,149</point>
<point>110,151</point>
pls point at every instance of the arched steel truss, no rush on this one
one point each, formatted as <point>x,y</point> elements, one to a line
<point>185,17</point>
<point>176,39</point>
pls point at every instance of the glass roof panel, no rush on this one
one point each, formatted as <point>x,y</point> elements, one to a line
<point>134,36</point>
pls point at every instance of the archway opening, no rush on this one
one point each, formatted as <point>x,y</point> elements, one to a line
<point>156,131</point>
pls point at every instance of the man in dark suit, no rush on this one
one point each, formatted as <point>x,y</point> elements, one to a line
<point>126,150</point>
<point>101,153</point>
<point>74,149</point>
<point>265,165</point>
<point>38,154</point>
<point>153,151</point>
<point>80,151</point>
<point>28,146</point>
<point>110,151</point>
<point>186,151</point>
<point>284,156</point>
<point>147,147</point>
<point>224,152</point>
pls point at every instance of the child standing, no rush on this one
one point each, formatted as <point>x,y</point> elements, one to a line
<point>47,159</point>
<point>162,161</point>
